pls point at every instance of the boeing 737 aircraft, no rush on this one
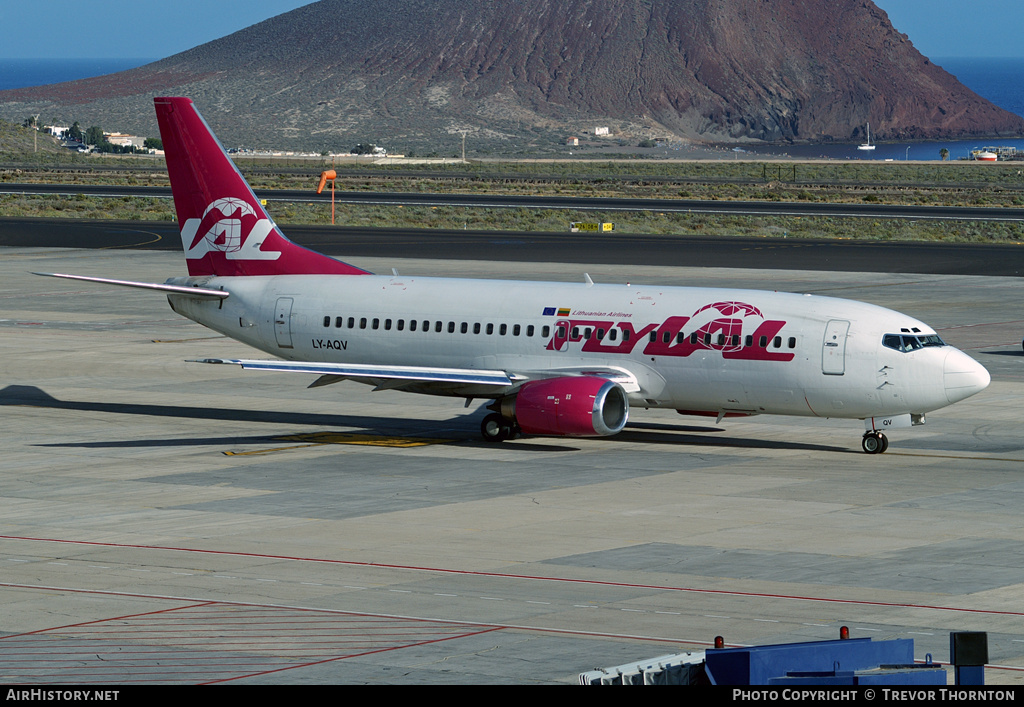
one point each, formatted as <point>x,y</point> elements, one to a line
<point>555,359</point>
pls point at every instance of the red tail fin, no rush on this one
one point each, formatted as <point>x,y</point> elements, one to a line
<point>224,229</point>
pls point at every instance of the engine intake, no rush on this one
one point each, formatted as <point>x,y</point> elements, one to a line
<point>578,406</point>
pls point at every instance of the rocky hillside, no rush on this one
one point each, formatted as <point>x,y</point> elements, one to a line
<point>337,72</point>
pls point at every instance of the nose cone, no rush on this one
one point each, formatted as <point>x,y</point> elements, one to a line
<point>962,376</point>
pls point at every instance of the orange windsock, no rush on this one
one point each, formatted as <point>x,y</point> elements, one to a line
<point>324,176</point>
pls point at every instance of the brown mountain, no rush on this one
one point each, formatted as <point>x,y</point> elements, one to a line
<point>338,72</point>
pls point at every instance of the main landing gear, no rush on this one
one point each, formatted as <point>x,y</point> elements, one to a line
<point>874,442</point>
<point>496,428</point>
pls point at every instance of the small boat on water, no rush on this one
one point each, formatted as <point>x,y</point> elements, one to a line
<point>984,156</point>
<point>867,145</point>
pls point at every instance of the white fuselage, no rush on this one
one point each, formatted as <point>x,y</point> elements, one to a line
<point>700,350</point>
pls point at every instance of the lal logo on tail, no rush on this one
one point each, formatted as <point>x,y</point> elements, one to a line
<point>230,226</point>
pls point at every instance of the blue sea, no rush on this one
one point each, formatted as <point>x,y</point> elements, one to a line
<point>999,80</point>
<point>19,73</point>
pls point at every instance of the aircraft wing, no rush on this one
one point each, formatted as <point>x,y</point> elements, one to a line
<point>391,377</point>
<point>623,376</point>
<point>384,376</point>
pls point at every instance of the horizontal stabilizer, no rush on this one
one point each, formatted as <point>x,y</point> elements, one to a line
<point>197,292</point>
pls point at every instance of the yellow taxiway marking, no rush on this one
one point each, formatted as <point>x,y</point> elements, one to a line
<point>316,439</point>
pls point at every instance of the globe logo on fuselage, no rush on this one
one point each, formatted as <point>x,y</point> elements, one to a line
<point>727,320</point>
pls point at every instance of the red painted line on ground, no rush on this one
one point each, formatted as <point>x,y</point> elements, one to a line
<point>192,604</point>
<point>504,575</point>
<point>354,655</point>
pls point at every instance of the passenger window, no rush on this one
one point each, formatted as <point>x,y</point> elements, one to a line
<point>693,337</point>
<point>792,342</point>
<point>707,339</point>
<point>777,343</point>
<point>351,322</point>
<point>587,333</point>
<point>400,325</point>
<point>338,322</point>
<point>545,331</point>
<point>387,325</point>
<point>412,325</point>
<point>515,330</point>
<point>490,329</point>
<point>559,331</point>
<point>575,332</point>
<point>612,333</point>
<point>654,337</point>
<point>666,336</point>
<point>327,320</point>
<point>529,330</point>
<point>763,342</point>
<point>600,334</point>
<point>451,327</point>
<point>749,341</point>
<point>376,324</point>
<point>625,334</point>
<point>735,339</point>
<point>721,339</point>
<point>362,323</point>
<point>503,329</point>
<point>464,328</point>
<point>438,326</point>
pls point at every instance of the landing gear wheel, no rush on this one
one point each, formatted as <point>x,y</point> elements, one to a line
<point>495,428</point>
<point>874,442</point>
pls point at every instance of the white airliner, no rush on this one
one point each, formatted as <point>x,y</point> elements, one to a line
<point>556,359</point>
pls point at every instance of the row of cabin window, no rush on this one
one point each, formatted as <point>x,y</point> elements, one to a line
<point>588,332</point>
<point>722,339</point>
<point>439,326</point>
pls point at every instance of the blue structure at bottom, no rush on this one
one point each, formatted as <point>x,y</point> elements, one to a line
<point>847,661</point>
<point>858,661</point>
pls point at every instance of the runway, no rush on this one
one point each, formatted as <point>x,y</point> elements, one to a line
<point>611,204</point>
<point>631,250</point>
<point>167,522</point>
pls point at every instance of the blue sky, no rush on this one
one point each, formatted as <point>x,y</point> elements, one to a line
<point>158,28</point>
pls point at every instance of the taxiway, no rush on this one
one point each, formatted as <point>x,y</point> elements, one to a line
<point>167,522</point>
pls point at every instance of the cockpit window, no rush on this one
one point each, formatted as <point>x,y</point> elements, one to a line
<point>906,342</point>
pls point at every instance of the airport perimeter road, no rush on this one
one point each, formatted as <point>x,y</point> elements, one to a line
<point>633,250</point>
<point>609,204</point>
<point>169,522</point>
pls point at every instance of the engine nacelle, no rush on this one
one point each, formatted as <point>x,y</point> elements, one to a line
<point>577,406</point>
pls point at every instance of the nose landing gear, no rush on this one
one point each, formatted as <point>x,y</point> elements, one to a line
<point>874,442</point>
